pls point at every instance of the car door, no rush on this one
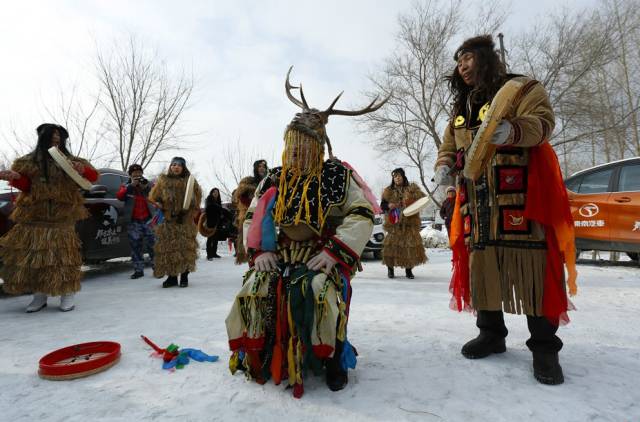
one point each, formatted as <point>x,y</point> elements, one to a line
<point>104,233</point>
<point>624,205</point>
<point>590,207</point>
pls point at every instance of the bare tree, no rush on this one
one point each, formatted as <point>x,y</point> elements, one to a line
<point>232,164</point>
<point>412,122</point>
<point>15,143</point>
<point>82,117</point>
<point>143,102</point>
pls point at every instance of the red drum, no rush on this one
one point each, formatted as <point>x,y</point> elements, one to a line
<point>80,360</point>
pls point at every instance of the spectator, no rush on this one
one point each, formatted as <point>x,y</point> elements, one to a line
<point>134,194</point>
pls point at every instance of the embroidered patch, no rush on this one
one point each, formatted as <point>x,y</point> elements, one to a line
<point>510,179</point>
<point>333,186</point>
<point>483,112</point>
<point>513,221</point>
<point>467,224</point>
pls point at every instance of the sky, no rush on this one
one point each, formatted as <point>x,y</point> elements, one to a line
<point>238,51</point>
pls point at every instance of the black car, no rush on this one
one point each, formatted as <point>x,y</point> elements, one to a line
<point>104,232</point>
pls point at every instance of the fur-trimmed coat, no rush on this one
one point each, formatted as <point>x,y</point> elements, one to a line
<point>176,248</point>
<point>242,197</point>
<point>402,246</point>
<point>508,251</point>
<point>42,251</point>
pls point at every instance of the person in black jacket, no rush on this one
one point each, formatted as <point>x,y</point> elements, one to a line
<point>213,211</point>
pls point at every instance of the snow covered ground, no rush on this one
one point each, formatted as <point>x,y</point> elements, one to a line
<point>409,368</point>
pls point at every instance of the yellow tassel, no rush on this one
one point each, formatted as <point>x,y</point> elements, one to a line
<point>301,171</point>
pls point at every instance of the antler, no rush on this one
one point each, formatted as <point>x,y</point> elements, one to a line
<point>302,104</point>
<point>368,109</point>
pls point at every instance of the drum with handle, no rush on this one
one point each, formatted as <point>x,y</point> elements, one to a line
<point>416,207</point>
<point>481,150</point>
<point>188,193</point>
<point>65,164</point>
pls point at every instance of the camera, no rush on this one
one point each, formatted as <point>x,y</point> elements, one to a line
<point>140,180</point>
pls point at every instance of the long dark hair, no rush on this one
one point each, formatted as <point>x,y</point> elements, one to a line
<point>217,200</point>
<point>41,152</point>
<point>489,73</point>
<point>399,170</point>
<point>256,176</point>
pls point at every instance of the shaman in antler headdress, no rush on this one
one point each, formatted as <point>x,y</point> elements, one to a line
<point>291,313</point>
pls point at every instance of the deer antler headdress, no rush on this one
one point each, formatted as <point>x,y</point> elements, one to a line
<point>312,121</point>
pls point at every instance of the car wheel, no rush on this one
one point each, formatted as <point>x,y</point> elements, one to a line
<point>633,255</point>
<point>377,254</point>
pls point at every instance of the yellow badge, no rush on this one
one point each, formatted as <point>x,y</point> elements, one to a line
<point>458,122</point>
<point>483,111</point>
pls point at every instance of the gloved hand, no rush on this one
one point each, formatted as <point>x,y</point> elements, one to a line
<point>441,176</point>
<point>503,133</point>
<point>321,262</point>
<point>266,261</point>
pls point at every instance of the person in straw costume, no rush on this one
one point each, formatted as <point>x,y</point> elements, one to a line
<point>176,248</point>
<point>41,253</point>
<point>402,246</point>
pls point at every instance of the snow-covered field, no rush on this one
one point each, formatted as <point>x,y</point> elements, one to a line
<point>409,368</point>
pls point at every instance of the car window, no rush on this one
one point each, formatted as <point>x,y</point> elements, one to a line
<point>629,178</point>
<point>596,182</point>
<point>573,184</point>
<point>112,182</point>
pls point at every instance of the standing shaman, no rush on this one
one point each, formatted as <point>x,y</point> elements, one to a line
<point>508,247</point>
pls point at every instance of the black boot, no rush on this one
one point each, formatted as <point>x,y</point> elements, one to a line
<point>136,274</point>
<point>337,377</point>
<point>547,369</point>
<point>390,273</point>
<point>409,273</point>
<point>171,281</point>
<point>482,346</point>
<point>491,337</point>
<point>184,279</point>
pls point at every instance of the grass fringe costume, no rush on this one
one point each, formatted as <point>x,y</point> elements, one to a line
<point>176,248</point>
<point>42,252</point>
<point>402,246</point>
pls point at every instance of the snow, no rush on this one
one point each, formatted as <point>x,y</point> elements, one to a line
<point>410,367</point>
<point>432,238</point>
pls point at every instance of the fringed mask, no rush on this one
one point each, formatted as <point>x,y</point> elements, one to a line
<point>303,155</point>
